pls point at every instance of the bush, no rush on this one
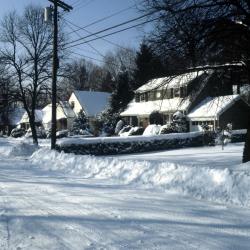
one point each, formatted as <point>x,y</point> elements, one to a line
<point>156,118</point>
<point>109,147</point>
<point>168,129</point>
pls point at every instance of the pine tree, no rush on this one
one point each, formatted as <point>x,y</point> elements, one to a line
<point>148,66</point>
<point>80,124</point>
<point>123,93</point>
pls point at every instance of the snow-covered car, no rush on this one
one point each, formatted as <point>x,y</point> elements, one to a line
<point>124,130</point>
<point>62,133</point>
<point>41,134</point>
<point>133,131</point>
<point>17,132</point>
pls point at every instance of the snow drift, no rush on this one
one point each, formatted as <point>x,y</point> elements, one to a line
<point>219,185</point>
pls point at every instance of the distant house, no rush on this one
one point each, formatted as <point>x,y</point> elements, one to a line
<point>11,118</point>
<point>200,95</point>
<point>64,115</point>
<point>92,103</point>
<point>24,121</point>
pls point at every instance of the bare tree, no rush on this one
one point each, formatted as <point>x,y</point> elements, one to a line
<point>223,32</point>
<point>27,43</point>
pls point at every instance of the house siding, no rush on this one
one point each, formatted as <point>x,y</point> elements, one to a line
<point>238,115</point>
<point>77,106</point>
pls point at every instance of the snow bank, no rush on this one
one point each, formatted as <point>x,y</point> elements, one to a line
<point>218,185</point>
<point>18,149</point>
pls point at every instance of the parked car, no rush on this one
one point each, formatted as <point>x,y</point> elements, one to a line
<point>17,132</point>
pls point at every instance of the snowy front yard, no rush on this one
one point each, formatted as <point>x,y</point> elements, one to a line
<point>180,199</point>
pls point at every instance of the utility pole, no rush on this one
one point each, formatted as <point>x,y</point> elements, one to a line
<point>55,66</point>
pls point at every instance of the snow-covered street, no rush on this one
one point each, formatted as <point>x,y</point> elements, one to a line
<point>48,204</point>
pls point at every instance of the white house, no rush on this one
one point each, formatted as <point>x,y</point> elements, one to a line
<point>92,103</point>
<point>165,95</point>
<point>24,121</point>
<point>64,116</point>
<point>218,111</point>
<point>195,94</point>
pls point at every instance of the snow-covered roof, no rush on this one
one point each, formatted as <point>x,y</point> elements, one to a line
<point>92,102</point>
<point>38,117</point>
<point>170,81</point>
<point>146,108</point>
<point>212,107</point>
<point>63,110</point>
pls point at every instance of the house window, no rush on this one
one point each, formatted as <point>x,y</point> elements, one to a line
<point>137,98</point>
<point>142,97</point>
<point>158,94</point>
<point>72,104</point>
<point>183,92</point>
<point>151,95</point>
<point>146,97</point>
<point>177,92</point>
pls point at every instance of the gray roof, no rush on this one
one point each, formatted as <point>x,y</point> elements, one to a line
<point>93,102</point>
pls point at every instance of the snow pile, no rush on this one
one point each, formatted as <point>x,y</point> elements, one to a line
<point>152,129</point>
<point>220,185</point>
<point>18,149</point>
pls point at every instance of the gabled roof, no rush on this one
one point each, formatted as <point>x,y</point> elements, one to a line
<point>38,117</point>
<point>92,102</point>
<point>146,108</point>
<point>213,107</point>
<point>63,110</point>
<point>170,81</point>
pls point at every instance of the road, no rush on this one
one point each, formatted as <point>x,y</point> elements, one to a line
<point>48,210</point>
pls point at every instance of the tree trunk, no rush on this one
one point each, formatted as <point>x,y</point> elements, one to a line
<point>246,152</point>
<point>33,128</point>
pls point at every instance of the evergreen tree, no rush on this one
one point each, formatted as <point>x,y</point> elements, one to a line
<point>80,124</point>
<point>123,93</point>
<point>120,98</point>
<point>148,66</point>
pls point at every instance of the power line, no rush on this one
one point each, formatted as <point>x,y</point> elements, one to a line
<point>82,5</point>
<point>102,19</point>
<point>91,46</point>
<point>112,27</point>
<point>113,33</point>
<point>75,31</point>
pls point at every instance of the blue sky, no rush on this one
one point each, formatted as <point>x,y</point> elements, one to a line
<point>88,11</point>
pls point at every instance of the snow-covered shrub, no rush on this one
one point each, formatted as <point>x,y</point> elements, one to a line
<point>152,129</point>
<point>168,129</point>
<point>156,118</point>
<point>223,136</point>
<point>180,122</point>
<point>238,135</point>
<point>137,144</point>
<point>108,121</point>
<point>17,132</point>
<point>119,125</point>
<point>80,124</point>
